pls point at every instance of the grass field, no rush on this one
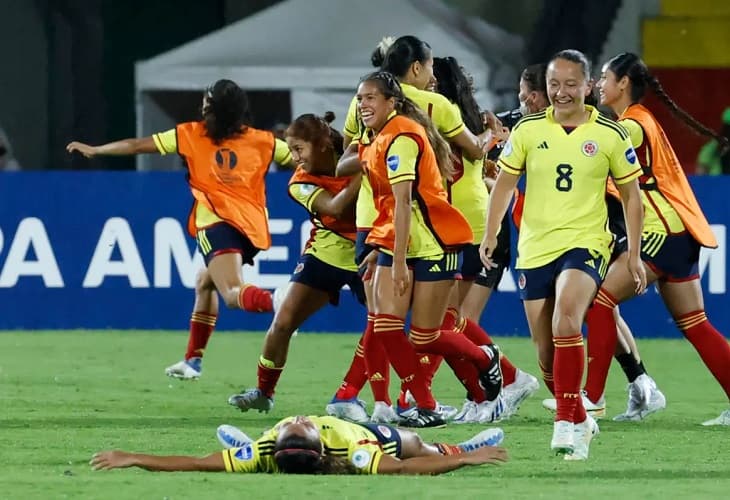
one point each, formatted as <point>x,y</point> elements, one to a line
<point>65,395</point>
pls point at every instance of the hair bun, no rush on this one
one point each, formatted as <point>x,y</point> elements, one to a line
<point>329,116</point>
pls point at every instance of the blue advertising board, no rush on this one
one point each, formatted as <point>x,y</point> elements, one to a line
<point>109,250</point>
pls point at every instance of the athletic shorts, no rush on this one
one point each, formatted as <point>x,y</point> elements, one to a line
<point>388,437</point>
<point>445,268</point>
<point>539,282</point>
<point>223,238</point>
<point>319,275</point>
<point>673,257</point>
<point>362,250</point>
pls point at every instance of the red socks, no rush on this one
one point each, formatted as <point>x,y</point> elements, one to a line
<point>602,339</point>
<point>253,299</point>
<point>712,347</point>
<point>268,376</point>
<point>202,325</point>
<point>547,377</point>
<point>568,369</point>
<point>447,344</point>
<point>479,336</point>
<point>376,363</point>
<point>356,376</point>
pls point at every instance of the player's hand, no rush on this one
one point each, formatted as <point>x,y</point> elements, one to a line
<point>486,455</point>
<point>636,268</point>
<point>401,278</point>
<point>486,249</point>
<point>84,149</point>
<point>490,169</point>
<point>113,459</point>
<point>369,263</point>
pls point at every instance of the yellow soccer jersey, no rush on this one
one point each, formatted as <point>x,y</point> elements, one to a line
<point>657,210</point>
<point>566,173</point>
<point>326,245</point>
<point>166,143</point>
<point>351,441</point>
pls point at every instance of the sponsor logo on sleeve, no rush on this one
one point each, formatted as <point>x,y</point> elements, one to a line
<point>245,453</point>
<point>361,458</point>
<point>507,150</point>
<point>307,189</point>
<point>393,161</point>
<point>630,155</point>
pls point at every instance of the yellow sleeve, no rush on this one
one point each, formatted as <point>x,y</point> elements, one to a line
<point>253,457</point>
<point>636,133</point>
<point>166,142</point>
<point>366,458</point>
<point>352,121</point>
<point>447,117</point>
<point>513,156</point>
<point>401,159</point>
<point>282,155</point>
<point>624,163</point>
<point>305,194</point>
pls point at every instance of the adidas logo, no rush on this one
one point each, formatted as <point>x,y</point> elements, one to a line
<point>375,377</point>
<point>435,269</point>
<point>590,264</point>
<point>543,145</point>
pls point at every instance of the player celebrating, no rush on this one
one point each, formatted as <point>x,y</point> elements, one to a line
<point>226,161</point>
<point>325,445</point>
<point>566,153</point>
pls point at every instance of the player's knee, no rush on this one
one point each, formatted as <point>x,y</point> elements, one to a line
<point>230,298</point>
<point>565,325</point>
<point>283,325</point>
<point>203,281</point>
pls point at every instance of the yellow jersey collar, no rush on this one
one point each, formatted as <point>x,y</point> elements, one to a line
<point>593,110</point>
<point>368,135</point>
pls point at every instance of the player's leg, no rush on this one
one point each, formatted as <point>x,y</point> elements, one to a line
<point>202,324</point>
<point>412,445</point>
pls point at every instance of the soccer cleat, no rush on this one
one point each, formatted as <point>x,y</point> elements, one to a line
<point>352,410</point>
<point>421,418</point>
<point>524,386</point>
<point>490,411</point>
<point>491,377</point>
<point>595,410</point>
<point>277,298</point>
<point>467,414</point>
<point>645,398</point>
<point>723,419</point>
<point>384,414</point>
<point>251,399</point>
<point>583,434</point>
<point>447,412</point>
<point>231,437</point>
<point>487,437</point>
<point>563,437</point>
<point>187,369</point>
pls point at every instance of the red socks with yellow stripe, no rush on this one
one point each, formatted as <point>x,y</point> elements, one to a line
<point>568,371</point>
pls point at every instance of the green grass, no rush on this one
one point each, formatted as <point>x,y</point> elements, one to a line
<point>65,395</point>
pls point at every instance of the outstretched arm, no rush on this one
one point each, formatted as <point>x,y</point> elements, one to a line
<point>116,459</point>
<point>438,464</point>
<point>125,147</point>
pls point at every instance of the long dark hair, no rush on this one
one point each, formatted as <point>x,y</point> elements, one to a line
<point>388,86</point>
<point>402,53</point>
<point>456,86</point>
<point>631,66</point>
<point>299,455</point>
<point>226,113</point>
<point>317,130</point>
<point>534,76</point>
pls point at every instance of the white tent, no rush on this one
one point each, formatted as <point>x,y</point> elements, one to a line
<point>315,49</point>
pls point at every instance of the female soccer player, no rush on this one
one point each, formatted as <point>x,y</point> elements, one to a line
<point>674,226</point>
<point>328,262</point>
<point>566,152</point>
<point>325,445</point>
<point>226,161</point>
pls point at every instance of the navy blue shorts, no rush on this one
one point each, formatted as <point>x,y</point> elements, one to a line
<point>446,268</point>
<point>362,250</point>
<point>539,283</point>
<point>319,275</point>
<point>472,268</point>
<point>673,257</point>
<point>223,238</point>
<point>388,437</point>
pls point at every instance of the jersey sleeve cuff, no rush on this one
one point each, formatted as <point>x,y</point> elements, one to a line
<point>402,178</point>
<point>509,169</point>
<point>158,144</point>
<point>454,131</point>
<point>629,177</point>
<point>227,460</point>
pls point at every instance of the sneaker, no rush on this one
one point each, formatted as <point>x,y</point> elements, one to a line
<point>491,377</point>
<point>487,437</point>
<point>595,410</point>
<point>524,386</point>
<point>352,410</point>
<point>490,411</point>
<point>583,434</point>
<point>251,399</point>
<point>563,437</point>
<point>723,419</point>
<point>189,369</point>
<point>445,411</point>
<point>384,414</point>
<point>421,418</point>
<point>645,398</point>
<point>232,437</point>
<point>467,414</point>
<point>277,298</point>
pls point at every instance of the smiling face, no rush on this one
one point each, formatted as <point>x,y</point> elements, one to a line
<point>302,152</point>
<point>374,107</point>
<point>567,87</point>
<point>422,73</point>
<point>611,89</point>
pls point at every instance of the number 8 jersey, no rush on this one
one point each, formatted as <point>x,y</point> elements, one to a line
<point>566,173</point>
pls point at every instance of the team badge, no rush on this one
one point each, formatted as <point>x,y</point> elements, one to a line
<point>507,150</point>
<point>360,459</point>
<point>385,431</point>
<point>522,281</point>
<point>630,155</point>
<point>299,268</point>
<point>590,148</point>
<point>307,189</point>
<point>245,453</point>
<point>393,162</point>
<point>226,158</point>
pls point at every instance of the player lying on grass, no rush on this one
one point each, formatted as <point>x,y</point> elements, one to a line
<point>323,445</point>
